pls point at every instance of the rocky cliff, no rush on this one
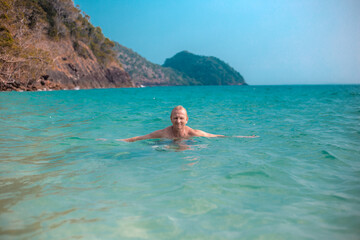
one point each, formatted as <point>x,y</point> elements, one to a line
<point>50,44</point>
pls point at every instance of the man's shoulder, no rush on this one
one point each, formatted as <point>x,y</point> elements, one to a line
<point>161,133</point>
<point>166,130</point>
<point>194,132</point>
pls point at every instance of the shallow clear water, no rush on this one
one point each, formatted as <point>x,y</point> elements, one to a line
<point>299,180</point>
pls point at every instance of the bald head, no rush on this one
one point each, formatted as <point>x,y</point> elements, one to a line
<point>178,108</point>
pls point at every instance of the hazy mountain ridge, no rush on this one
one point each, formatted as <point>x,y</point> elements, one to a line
<point>146,73</point>
<point>183,69</point>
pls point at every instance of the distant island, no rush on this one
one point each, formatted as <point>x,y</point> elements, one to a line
<point>51,45</point>
<point>205,70</point>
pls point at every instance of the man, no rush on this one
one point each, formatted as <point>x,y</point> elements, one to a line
<point>178,130</point>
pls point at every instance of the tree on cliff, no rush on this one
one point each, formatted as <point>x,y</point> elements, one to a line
<point>25,22</point>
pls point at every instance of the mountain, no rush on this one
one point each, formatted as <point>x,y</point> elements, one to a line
<point>183,69</point>
<point>206,70</point>
<point>146,73</point>
<point>50,44</point>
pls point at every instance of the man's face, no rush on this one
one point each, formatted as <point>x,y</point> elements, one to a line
<point>179,118</point>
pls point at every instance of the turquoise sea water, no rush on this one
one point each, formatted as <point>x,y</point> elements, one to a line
<point>299,180</point>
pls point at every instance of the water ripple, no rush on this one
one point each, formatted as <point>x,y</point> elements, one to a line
<point>299,180</point>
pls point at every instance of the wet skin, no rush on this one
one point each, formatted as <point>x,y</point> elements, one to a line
<point>178,130</point>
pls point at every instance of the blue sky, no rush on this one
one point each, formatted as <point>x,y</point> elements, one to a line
<point>268,42</point>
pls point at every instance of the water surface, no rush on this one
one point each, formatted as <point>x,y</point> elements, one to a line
<point>299,180</point>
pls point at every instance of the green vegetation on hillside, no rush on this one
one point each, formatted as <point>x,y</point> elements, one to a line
<point>206,70</point>
<point>183,69</point>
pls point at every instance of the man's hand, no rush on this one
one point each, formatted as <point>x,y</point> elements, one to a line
<point>253,136</point>
<point>126,140</point>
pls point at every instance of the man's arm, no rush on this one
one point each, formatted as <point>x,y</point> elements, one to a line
<point>199,133</point>
<point>156,134</point>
